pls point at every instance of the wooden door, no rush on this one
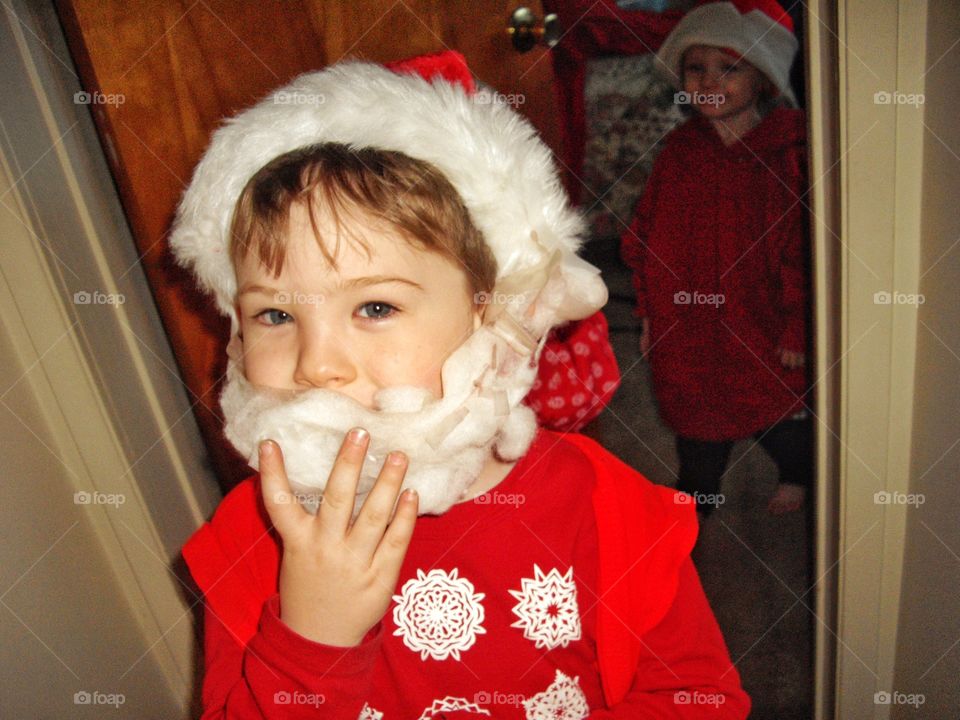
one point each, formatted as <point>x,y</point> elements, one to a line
<point>160,74</point>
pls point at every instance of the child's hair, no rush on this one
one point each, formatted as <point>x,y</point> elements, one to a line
<point>409,195</point>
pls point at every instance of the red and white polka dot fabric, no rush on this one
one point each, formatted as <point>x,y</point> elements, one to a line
<point>577,377</point>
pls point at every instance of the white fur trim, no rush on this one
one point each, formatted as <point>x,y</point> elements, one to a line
<point>761,40</point>
<point>503,172</point>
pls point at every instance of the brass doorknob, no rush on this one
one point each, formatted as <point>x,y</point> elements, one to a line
<point>524,33</point>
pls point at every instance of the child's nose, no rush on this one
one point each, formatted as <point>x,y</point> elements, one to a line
<point>711,79</point>
<point>325,362</point>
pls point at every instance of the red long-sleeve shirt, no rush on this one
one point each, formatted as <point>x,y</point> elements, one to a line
<point>516,605</point>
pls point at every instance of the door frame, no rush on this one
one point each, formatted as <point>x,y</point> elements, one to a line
<point>859,545</point>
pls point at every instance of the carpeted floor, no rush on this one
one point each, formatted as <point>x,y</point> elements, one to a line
<point>755,568</point>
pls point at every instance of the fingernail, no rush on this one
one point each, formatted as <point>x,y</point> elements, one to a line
<point>410,494</point>
<point>396,458</point>
<point>265,447</point>
<point>358,436</point>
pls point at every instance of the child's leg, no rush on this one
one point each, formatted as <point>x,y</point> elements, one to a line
<point>790,445</point>
<point>701,466</point>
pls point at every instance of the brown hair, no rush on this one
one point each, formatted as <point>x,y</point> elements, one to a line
<point>409,195</point>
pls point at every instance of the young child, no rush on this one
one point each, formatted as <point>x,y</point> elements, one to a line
<point>392,251</point>
<point>718,251</point>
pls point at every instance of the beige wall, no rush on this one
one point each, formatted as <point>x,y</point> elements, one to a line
<point>928,639</point>
<point>898,609</point>
<point>90,402</point>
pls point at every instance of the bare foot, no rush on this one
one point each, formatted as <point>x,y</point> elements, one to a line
<point>788,498</point>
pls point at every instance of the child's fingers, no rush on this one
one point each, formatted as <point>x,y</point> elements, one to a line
<point>372,520</point>
<point>336,510</point>
<point>393,547</point>
<point>278,498</point>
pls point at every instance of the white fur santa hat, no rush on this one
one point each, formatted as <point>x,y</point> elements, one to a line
<point>505,175</point>
<point>760,31</point>
<point>427,109</point>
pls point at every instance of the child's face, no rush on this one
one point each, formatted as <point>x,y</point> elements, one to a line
<point>720,85</point>
<point>380,321</point>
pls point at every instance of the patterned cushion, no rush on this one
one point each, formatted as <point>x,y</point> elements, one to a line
<point>629,110</point>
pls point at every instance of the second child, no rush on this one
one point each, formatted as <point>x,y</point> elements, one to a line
<point>718,251</point>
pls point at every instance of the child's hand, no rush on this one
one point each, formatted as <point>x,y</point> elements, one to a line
<point>792,360</point>
<point>337,578</point>
<point>644,336</point>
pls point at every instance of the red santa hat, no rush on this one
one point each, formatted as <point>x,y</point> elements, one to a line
<point>427,108</point>
<point>759,31</point>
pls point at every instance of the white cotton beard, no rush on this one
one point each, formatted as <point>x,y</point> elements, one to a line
<point>447,440</point>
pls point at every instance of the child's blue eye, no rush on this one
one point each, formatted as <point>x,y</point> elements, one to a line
<point>274,317</point>
<point>376,310</point>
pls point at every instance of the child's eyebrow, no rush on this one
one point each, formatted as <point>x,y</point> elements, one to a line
<point>367,280</point>
<point>360,282</point>
<point>250,288</point>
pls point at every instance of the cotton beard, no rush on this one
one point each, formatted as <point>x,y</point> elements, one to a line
<point>447,440</point>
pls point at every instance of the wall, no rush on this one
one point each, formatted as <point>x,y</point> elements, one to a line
<point>103,475</point>
<point>928,639</point>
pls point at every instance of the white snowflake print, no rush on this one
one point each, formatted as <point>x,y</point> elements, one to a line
<point>368,713</point>
<point>452,704</point>
<point>548,609</point>
<point>438,614</point>
<point>563,700</point>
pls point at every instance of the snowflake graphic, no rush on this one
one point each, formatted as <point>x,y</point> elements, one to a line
<point>368,713</point>
<point>548,609</point>
<point>452,704</point>
<point>563,700</point>
<point>438,614</point>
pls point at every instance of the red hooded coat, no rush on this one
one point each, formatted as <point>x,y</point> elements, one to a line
<point>719,252</point>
